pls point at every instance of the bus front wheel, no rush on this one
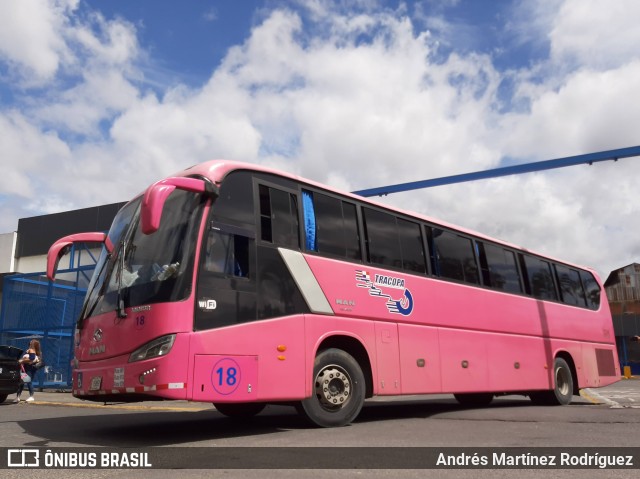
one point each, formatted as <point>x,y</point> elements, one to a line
<point>562,392</point>
<point>239,410</point>
<point>338,390</point>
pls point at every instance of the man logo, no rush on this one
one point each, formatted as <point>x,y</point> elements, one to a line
<point>97,335</point>
<point>207,304</point>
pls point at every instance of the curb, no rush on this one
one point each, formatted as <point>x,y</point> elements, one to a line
<point>122,407</point>
<point>595,398</point>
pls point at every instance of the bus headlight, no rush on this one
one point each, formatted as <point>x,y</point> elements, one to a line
<point>158,347</point>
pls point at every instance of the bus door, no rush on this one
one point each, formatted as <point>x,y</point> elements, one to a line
<point>388,359</point>
<point>226,292</point>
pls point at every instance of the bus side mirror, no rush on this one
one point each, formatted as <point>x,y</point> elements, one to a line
<point>63,245</point>
<point>156,195</point>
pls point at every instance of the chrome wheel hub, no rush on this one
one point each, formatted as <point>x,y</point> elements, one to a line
<point>333,387</point>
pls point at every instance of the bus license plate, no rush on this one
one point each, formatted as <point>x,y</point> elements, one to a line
<point>96,381</point>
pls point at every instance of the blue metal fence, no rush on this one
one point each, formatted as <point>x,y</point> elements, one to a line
<point>34,308</point>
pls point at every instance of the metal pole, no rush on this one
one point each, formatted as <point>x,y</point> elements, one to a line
<point>588,158</point>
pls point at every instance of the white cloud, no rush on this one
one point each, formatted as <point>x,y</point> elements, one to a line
<point>593,34</point>
<point>31,36</point>
<point>111,43</point>
<point>80,109</point>
<point>25,151</point>
<point>590,111</point>
<point>211,15</point>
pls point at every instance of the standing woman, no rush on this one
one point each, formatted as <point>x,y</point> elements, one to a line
<point>28,362</point>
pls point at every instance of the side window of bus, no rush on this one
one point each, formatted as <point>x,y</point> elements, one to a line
<point>226,253</point>
<point>453,257</point>
<point>592,290</point>
<point>383,245</point>
<point>499,268</point>
<point>571,291</point>
<point>394,242</point>
<point>539,279</point>
<point>411,246</point>
<point>330,226</point>
<point>278,217</point>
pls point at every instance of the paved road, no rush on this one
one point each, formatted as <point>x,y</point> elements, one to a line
<point>607,417</point>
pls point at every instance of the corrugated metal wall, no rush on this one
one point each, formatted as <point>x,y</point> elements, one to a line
<point>627,287</point>
<point>623,293</point>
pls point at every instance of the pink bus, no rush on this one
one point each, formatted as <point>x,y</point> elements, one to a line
<point>243,286</point>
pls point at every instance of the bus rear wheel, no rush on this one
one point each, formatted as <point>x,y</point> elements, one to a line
<point>338,390</point>
<point>240,410</point>
<point>562,392</point>
<point>474,399</point>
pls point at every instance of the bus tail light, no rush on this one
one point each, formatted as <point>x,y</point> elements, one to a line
<point>158,347</point>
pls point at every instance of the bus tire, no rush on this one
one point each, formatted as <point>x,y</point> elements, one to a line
<point>240,410</point>
<point>338,390</point>
<point>474,399</point>
<point>562,391</point>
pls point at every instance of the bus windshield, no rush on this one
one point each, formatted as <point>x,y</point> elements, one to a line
<point>144,269</point>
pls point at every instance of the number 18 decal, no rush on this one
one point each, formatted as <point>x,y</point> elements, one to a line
<point>226,376</point>
<point>139,322</point>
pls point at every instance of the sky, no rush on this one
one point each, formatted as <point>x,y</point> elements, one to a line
<point>100,98</point>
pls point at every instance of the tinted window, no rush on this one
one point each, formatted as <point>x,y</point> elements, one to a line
<point>278,217</point>
<point>351,232</point>
<point>331,226</point>
<point>330,237</point>
<point>236,198</point>
<point>265,214</point>
<point>411,246</point>
<point>226,288</point>
<point>592,289</point>
<point>499,269</point>
<point>570,286</point>
<point>540,281</point>
<point>145,269</point>
<point>453,257</point>
<point>226,253</point>
<point>383,246</point>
